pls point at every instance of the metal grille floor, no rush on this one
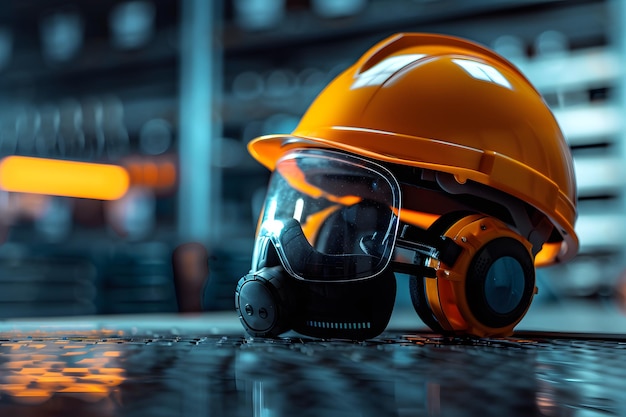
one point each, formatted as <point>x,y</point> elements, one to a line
<point>129,372</point>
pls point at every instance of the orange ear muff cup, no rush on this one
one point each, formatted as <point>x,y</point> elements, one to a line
<point>490,286</point>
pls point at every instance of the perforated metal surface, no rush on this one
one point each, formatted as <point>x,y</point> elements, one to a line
<point>116,372</point>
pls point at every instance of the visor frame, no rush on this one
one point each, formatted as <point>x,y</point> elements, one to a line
<point>265,235</point>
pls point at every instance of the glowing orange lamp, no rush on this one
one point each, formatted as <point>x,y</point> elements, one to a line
<point>63,178</point>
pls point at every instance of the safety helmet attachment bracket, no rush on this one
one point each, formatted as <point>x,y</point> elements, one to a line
<point>528,222</point>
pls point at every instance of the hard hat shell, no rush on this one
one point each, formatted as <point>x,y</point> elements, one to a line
<point>450,105</point>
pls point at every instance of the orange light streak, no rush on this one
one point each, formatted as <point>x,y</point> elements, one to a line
<point>63,178</point>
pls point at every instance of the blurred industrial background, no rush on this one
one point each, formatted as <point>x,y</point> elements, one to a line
<point>172,91</point>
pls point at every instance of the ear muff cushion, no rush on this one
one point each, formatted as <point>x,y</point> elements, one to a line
<point>416,284</point>
<point>420,303</point>
<point>500,282</point>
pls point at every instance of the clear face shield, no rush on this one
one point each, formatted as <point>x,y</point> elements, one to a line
<point>330,216</point>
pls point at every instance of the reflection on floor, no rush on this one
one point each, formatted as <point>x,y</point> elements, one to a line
<point>204,365</point>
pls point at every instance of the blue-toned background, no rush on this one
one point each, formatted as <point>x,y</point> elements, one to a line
<point>172,91</point>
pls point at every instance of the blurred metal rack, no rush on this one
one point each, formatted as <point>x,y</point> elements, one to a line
<point>113,98</point>
<point>571,50</point>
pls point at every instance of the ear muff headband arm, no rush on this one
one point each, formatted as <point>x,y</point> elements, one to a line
<point>413,269</point>
<point>427,243</point>
<point>446,249</point>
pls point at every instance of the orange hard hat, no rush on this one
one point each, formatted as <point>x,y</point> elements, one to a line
<point>446,104</point>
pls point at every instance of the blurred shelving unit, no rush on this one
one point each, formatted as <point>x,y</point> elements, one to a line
<point>101,80</point>
<point>91,82</point>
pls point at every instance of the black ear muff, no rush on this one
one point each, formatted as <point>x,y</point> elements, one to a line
<point>417,285</point>
<point>488,288</point>
<point>500,282</point>
<point>263,301</point>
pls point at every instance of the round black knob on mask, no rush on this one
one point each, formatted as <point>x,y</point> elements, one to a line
<point>261,302</point>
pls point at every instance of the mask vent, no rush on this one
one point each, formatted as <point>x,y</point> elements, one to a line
<point>339,325</point>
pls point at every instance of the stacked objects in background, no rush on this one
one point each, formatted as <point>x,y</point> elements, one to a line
<point>138,279</point>
<point>34,284</point>
<point>123,278</point>
<point>90,83</point>
<point>580,86</point>
<point>91,129</point>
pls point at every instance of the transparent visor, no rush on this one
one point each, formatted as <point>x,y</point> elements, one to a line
<point>330,216</point>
